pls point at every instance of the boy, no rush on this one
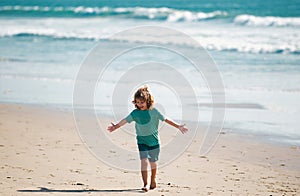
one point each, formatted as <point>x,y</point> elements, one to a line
<point>147,119</point>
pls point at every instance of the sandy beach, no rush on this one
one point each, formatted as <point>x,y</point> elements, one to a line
<point>41,153</point>
<point>229,70</point>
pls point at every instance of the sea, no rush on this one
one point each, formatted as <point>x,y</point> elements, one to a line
<point>255,45</point>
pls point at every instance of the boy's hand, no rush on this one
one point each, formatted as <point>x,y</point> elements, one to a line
<point>112,127</point>
<point>182,128</point>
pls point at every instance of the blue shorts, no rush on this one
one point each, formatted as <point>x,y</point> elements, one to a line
<point>149,152</point>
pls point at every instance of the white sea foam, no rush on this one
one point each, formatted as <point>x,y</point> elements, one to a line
<point>152,13</point>
<point>212,37</point>
<point>176,16</point>
<point>252,34</point>
<point>251,20</point>
<point>160,13</point>
<point>45,78</point>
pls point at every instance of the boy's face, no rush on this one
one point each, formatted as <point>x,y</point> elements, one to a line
<point>141,104</point>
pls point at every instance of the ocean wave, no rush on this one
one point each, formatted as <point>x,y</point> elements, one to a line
<point>253,48</point>
<point>50,34</point>
<point>206,43</point>
<point>267,21</point>
<point>5,59</point>
<point>37,78</point>
<point>161,13</point>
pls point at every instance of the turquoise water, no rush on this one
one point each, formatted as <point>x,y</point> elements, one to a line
<point>255,44</point>
<point>68,7</point>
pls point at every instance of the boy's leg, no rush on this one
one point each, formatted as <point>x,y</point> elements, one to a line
<point>144,166</point>
<point>153,175</point>
<point>153,153</point>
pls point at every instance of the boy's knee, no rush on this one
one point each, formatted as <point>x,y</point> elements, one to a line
<point>144,164</point>
<point>144,161</point>
<point>153,165</point>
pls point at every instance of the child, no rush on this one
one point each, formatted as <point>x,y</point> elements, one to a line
<point>146,119</point>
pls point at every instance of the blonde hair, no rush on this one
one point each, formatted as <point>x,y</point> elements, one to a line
<point>143,94</point>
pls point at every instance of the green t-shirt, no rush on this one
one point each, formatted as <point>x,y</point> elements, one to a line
<point>146,125</point>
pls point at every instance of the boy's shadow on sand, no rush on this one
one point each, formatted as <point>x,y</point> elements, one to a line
<point>46,190</point>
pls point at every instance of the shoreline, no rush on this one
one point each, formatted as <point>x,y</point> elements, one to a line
<point>263,138</point>
<point>42,153</point>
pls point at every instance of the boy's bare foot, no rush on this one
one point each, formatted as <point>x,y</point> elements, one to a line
<point>145,189</point>
<point>152,185</point>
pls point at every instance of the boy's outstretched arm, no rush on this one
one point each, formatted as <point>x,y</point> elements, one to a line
<point>113,126</point>
<point>180,127</point>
